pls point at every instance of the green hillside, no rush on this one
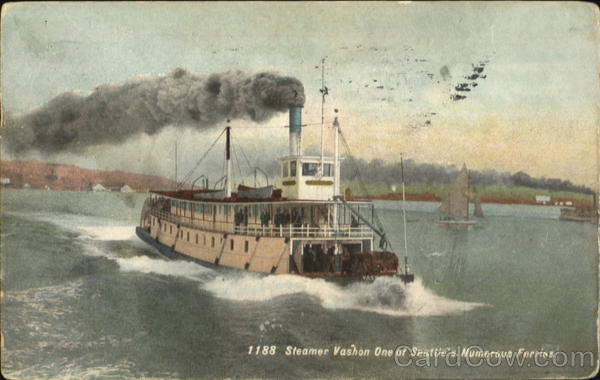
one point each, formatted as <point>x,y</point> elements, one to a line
<point>526,194</point>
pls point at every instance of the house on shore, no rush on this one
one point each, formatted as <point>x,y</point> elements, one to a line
<point>118,187</point>
<point>98,187</point>
<point>543,199</point>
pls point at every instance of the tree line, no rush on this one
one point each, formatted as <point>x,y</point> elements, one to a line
<point>378,171</point>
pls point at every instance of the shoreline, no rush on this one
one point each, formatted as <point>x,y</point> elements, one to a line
<point>428,197</point>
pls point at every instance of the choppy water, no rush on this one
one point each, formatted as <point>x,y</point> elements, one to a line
<point>83,297</point>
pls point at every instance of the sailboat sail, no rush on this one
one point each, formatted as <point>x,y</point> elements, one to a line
<point>456,203</point>
<point>478,213</point>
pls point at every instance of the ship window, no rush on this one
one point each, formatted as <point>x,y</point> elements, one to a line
<point>246,246</point>
<point>188,236</point>
<point>231,244</point>
<point>181,234</point>
<point>212,241</point>
<point>310,168</point>
<point>204,239</point>
<point>284,169</point>
<point>328,170</point>
<point>170,229</point>
<point>196,238</point>
<point>292,168</point>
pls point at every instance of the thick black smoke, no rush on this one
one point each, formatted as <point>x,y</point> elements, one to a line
<point>114,113</point>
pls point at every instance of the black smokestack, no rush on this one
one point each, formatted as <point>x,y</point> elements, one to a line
<point>114,113</point>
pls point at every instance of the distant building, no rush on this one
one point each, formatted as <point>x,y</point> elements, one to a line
<point>26,186</point>
<point>4,181</point>
<point>127,189</point>
<point>543,199</point>
<point>98,187</point>
<point>118,187</point>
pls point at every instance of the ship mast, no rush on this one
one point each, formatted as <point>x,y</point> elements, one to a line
<point>468,196</point>
<point>228,161</point>
<point>404,216</point>
<point>324,91</point>
<point>336,159</point>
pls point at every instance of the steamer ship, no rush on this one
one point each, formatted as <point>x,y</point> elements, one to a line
<point>305,228</point>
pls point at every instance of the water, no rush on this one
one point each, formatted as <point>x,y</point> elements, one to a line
<point>83,297</point>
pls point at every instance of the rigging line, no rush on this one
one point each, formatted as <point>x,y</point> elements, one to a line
<point>190,173</point>
<point>360,183</point>
<point>237,160</point>
<point>246,158</point>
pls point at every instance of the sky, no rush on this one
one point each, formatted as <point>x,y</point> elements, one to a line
<point>391,69</point>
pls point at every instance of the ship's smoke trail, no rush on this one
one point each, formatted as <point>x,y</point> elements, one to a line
<point>113,113</point>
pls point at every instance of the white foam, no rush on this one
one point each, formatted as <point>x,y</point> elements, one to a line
<point>109,233</point>
<point>385,295</point>
<point>435,254</point>
<point>145,264</point>
<point>93,228</point>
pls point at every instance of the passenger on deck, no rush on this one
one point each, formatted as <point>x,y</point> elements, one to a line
<point>330,260</point>
<point>296,219</point>
<point>337,259</point>
<point>319,261</point>
<point>264,218</point>
<point>245,216</point>
<point>308,260</point>
<point>346,261</point>
<point>354,263</point>
<point>238,218</point>
<point>279,218</point>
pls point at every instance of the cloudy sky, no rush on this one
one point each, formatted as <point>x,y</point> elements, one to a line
<point>393,70</point>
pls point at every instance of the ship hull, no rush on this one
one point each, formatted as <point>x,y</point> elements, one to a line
<point>579,214</point>
<point>172,254</point>
<point>167,251</point>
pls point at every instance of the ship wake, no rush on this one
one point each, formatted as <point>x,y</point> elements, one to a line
<point>386,295</point>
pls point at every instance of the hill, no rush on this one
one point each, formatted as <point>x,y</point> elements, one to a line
<point>39,175</point>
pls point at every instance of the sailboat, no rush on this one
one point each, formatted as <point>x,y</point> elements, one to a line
<point>455,205</point>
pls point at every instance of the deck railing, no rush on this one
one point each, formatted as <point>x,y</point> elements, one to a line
<point>271,230</point>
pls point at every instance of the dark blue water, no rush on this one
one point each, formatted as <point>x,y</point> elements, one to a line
<point>83,297</point>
